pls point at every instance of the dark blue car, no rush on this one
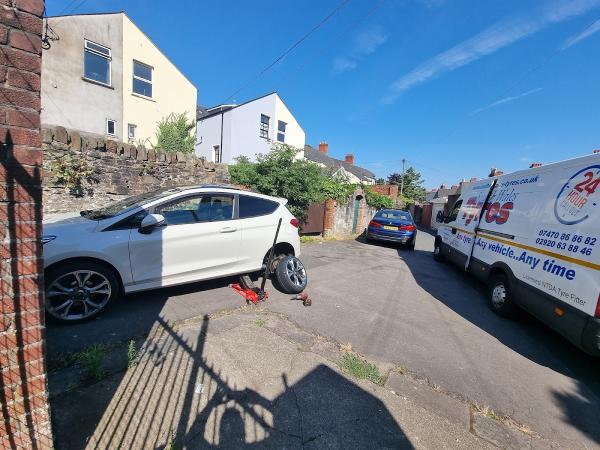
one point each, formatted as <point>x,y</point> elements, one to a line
<point>393,225</point>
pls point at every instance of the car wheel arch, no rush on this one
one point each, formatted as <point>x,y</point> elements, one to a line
<point>500,268</point>
<point>91,260</point>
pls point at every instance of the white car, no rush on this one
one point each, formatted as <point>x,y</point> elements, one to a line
<point>164,238</point>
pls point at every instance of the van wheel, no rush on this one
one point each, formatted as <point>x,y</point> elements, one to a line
<point>437,252</point>
<point>290,275</point>
<point>500,296</point>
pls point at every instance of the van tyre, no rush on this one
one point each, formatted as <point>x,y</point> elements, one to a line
<point>437,252</point>
<point>79,290</point>
<point>290,275</point>
<point>500,296</point>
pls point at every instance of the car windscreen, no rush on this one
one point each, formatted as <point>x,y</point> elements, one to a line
<point>394,215</point>
<point>127,204</point>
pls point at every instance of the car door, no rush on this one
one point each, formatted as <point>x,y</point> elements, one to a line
<point>200,240</point>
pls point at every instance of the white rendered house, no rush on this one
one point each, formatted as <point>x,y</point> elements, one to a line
<point>225,132</point>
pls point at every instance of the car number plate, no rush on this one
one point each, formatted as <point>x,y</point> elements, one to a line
<point>387,227</point>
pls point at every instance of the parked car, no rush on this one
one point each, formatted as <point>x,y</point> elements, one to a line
<point>533,236</point>
<point>164,238</point>
<point>393,225</point>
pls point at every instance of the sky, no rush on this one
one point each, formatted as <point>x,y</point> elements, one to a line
<point>454,87</point>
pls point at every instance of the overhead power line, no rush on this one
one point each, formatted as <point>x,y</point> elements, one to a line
<point>290,49</point>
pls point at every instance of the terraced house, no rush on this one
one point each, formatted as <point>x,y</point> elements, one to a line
<point>101,74</point>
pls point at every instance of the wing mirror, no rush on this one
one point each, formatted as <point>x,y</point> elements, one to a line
<point>150,222</point>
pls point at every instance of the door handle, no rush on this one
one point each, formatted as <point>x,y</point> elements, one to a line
<point>228,230</point>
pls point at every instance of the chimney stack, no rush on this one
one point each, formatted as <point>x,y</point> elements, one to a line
<point>597,151</point>
<point>473,179</point>
<point>443,186</point>
<point>495,172</point>
<point>323,146</point>
<point>534,165</point>
<point>350,158</point>
<point>454,186</point>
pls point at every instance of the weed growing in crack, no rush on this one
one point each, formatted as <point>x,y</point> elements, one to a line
<point>260,323</point>
<point>131,354</point>
<point>357,367</point>
<point>91,359</point>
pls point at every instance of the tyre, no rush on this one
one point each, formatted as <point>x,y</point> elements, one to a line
<point>500,296</point>
<point>411,244</point>
<point>290,275</point>
<point>79,290</point>
<point>437,252</point>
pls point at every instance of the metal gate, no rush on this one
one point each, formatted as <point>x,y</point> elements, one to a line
<point>315,218</point>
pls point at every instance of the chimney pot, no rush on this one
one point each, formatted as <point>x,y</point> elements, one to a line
<point>443,186</point>
<point>534,165</point>
<point>454,186</point>
<point>473,179</point>
<point>597,151</point>
<point>350,158</point>
<point>323,147</point>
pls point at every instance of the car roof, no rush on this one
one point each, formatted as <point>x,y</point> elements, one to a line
<point>220,188</point>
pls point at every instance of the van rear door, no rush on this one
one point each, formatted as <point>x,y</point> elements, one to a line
<point>458,230</point>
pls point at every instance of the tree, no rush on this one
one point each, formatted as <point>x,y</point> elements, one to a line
<point>280,174</point>
<point>413,190</point>
<point>380,181</point>
<point>173,134</point>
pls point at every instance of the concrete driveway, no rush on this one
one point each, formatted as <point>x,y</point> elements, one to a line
<point>401,307</point>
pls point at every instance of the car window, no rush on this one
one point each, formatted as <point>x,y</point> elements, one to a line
<point>395,215</point>
<point>254,206</point>
<point>203,208</point>
<point>454,214</point>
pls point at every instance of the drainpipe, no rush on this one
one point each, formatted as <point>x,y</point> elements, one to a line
<point>221,146</point>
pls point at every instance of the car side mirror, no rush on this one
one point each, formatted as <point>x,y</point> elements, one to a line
<point>150,222</point>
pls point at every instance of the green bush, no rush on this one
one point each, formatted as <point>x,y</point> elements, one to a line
<point>377,200</point>
<point>173,134</point>
<point>280,174</point>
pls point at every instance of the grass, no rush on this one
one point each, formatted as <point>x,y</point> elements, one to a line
<point>91,359</point>
<point>131,354</point>
<point>360,368</point>
<point>260,322</point>
<point>172,444</point>
<point>308,239</point>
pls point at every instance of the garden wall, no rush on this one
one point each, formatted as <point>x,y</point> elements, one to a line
<point>84,171</point>
<point>339,217</point>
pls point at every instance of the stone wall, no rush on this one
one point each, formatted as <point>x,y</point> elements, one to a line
<point>339,218</point>
<point>111,170</point>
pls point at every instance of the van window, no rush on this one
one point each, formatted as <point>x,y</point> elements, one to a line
<point>454,214</point>
<point>254,206</point>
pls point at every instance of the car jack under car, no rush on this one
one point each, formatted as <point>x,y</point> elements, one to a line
<point>253,294</point>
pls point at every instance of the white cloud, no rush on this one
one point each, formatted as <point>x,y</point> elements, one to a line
<point>589,31</point>
<point>364,44</point>
<point>507,99</point>
<point>487,42</point>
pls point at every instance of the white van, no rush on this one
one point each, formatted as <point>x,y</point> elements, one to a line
<point>534,237</point>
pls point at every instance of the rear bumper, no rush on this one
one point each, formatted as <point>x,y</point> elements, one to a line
<point>392,236</point>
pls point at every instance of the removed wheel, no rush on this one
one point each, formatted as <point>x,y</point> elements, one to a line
<point>290,275</point>
<point>78,291</point>
<point>500,297</point>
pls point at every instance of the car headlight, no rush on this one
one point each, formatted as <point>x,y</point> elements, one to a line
<point>48,238</point>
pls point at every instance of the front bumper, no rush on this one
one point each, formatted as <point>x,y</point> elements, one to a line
<point>392,236</point>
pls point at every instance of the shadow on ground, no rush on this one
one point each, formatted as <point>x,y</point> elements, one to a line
<point>177,396</point>
<point>526,336</point>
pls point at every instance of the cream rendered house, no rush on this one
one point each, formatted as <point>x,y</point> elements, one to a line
<point>103,75</point>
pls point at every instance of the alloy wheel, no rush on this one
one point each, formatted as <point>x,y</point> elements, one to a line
<point>78,294</point>
<point>296,272</point>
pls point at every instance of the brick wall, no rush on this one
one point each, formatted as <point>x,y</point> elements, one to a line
<point>391,190</point>
<point>24,420</point>
<point>339,217</point>
<point>115,169</point>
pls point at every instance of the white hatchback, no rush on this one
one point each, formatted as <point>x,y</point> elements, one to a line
<point>164,238</point>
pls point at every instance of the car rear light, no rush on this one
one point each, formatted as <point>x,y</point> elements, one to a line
<point>374,224</point>
<point>295,222</point>
<point>597,315</point>
<point>407,228</point>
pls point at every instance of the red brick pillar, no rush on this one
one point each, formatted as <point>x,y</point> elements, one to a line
<point>24,411</point>
<point>329,217</point>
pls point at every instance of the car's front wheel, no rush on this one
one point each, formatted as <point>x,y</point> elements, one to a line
<point>78,291</point>
<point>290,275</point>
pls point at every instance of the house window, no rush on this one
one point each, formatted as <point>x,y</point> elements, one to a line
<point>281,131</point>
<point>131,128</point>
<point>217,154</point>
<point>142,79</point>
<point>264,126</point>
<point>111,127</point>
<point>96,62</point>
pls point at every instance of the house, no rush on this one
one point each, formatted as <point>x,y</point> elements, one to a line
<point>343,168</point>
<point>101,74</point>
<point>225,132</point>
